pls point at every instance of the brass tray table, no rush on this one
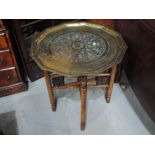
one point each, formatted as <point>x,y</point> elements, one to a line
<point>87,51</point>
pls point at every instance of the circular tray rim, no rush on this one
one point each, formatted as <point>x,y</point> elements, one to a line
<point>118,38</point>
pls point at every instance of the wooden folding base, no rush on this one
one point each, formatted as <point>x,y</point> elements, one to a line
<point>82,83</point>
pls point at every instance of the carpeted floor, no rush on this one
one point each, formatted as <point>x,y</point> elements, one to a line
<point>123,115</point>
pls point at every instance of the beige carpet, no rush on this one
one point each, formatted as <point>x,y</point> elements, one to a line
<point>34,116</point>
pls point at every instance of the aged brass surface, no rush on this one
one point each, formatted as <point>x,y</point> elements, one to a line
<point>76,49</point>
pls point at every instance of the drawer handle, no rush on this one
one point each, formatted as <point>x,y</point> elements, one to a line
<point>8,77</point>
<point>3,61</point>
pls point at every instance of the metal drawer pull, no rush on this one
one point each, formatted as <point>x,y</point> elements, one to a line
<point>8,77</point>
<point>3,60</point>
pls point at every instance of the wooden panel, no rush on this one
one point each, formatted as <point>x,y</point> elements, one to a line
<point>8,77</point>
<point>140,59</point>
<point>5,59</point>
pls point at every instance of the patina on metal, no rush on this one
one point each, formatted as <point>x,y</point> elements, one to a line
<point>78,49</point>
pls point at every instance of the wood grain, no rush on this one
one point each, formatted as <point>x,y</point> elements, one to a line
<point>50,90</point>
<point>83,95</point>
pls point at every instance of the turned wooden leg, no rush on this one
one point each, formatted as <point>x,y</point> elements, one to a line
<point>83,94</point>
<point>50,90</point>
<point>110,86</point>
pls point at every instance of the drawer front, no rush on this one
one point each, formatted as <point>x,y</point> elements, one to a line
<point>3,41</point>
<point>5,59</point>
<point>8,77</point>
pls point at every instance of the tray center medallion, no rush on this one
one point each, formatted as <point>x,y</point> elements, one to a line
<point>77,45</point>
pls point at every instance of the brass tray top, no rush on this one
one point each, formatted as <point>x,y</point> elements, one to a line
<point>76,49</point>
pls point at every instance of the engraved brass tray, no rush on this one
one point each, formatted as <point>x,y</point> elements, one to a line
<point>76,49</point>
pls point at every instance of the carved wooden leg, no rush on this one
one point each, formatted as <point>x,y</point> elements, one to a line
<point>50,90</point>
<point>83,94</point>
<point>110,86</point>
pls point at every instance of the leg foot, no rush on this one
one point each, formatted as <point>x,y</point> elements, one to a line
<point>110,86</point>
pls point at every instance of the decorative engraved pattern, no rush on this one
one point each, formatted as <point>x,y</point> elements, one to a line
<point>78,47</point>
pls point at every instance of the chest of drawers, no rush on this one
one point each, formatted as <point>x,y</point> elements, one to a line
<point>11,78</point>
